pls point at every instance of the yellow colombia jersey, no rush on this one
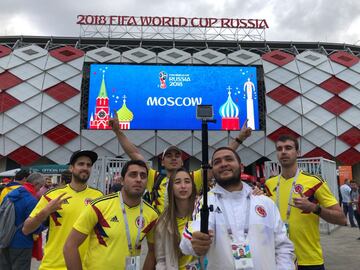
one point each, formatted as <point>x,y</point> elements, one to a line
<point>62,221</point>
<point>303,227</point>
<point>159,204</point>
<point>104,223</point>
<point>184,259</point>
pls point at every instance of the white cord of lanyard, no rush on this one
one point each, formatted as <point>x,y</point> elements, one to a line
<point>137,241</point>
<point>247,217</point>
<point>288,211</point>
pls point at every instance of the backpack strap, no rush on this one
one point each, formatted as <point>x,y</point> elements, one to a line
<point>151,196</point>
<point>155,190</point>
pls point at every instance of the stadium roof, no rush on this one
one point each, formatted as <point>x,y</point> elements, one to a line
<point>259,47</point>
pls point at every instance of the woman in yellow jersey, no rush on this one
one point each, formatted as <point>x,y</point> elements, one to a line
<point>171,223</point>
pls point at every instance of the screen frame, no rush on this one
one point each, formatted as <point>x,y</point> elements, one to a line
<point>85,89</point>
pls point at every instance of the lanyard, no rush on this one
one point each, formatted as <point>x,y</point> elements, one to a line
<point>131,250</point>
<point>247,217</point>
<point>290,196</point>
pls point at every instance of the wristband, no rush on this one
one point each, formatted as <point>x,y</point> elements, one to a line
<point>317,210</point>
<point>238,140</point>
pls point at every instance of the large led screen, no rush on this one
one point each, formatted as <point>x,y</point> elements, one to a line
<point>160,97</point>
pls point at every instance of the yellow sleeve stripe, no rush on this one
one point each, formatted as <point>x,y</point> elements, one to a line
<point>150,206</point>
<point>96,189</point>
<point>54,189</point>
<point>104,198</point>
<point>318,177</point>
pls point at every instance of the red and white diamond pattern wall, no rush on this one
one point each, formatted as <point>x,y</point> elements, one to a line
<point>40,101</point>
<point>310,95</point>
<point>315,98</point>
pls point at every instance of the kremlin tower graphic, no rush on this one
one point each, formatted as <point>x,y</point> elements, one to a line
<point>229,113</point>
<point>102,111</point>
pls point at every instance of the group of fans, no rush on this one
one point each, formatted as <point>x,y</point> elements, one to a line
<point>247,230</point>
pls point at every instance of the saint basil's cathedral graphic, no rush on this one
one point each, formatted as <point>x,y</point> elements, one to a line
<point>102,111</point>
<point>229,113</point>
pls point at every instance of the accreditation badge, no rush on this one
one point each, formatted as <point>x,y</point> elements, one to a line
<point>132,263</point>
<point>242,256</point>
<point>195,265</point>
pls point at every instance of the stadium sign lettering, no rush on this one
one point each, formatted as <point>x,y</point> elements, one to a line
<point>171,21</point>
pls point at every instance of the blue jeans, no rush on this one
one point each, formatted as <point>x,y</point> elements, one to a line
<point>348,209</point>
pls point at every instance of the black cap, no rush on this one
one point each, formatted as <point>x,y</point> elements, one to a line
<point>87,153</point>
<point>21,174</point>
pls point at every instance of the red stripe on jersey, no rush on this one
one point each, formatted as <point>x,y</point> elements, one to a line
<point>310,195</point>
<point>101,220</point>
<point>149,227</point>
<point>99,236</point>
<point>54,215</point>
<point>311,191</point>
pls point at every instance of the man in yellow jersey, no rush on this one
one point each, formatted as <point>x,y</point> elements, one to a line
<point>116,225</point>
<point>171,161</point>
<point>19,180</point>
<point>302,198</point>
<point>62,206</point>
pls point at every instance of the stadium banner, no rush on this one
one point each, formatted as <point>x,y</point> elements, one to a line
<point>161,97</point>
<point>163,21</point>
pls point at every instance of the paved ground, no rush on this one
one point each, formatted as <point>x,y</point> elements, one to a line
<point>341,250</point>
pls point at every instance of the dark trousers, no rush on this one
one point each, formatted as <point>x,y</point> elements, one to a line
<point>347,207</point>
<point>15,258</point>
<point>357,216</point>
<point>311,267</point>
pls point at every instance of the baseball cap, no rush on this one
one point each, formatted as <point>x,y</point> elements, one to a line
<point>171,148</point>
<point>87,153</point>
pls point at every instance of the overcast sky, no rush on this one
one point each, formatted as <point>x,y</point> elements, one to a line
<point>288,20</point>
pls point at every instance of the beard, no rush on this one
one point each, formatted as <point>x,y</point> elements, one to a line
<point>133,194</point>
<point>224,183</point>
<point>80,179</point>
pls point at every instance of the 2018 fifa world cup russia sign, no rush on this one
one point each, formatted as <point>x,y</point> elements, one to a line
<point>171,21</point>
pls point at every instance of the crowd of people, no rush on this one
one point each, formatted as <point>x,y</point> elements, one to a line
<point>247,229</point>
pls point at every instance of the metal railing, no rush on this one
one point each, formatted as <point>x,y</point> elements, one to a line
<point>104,170</point>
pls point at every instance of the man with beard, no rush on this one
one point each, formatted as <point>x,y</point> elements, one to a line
<point>302,198</point>
<point>62,206</point>
<point>245,231</point>
<point>116,224</point>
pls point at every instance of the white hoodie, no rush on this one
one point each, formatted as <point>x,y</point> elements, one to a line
<point>269,246</point>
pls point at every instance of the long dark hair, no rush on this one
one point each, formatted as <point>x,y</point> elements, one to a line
<point>168,217</point>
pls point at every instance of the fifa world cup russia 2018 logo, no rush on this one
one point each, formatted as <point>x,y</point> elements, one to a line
<point>163,77</point>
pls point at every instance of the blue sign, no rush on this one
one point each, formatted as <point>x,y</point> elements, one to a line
<point>165,97</point>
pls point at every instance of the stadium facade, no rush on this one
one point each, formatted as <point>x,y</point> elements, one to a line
<point>311,90</point>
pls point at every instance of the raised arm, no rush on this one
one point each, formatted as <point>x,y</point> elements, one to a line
<point>245,133</point>
<point>130,149</point>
